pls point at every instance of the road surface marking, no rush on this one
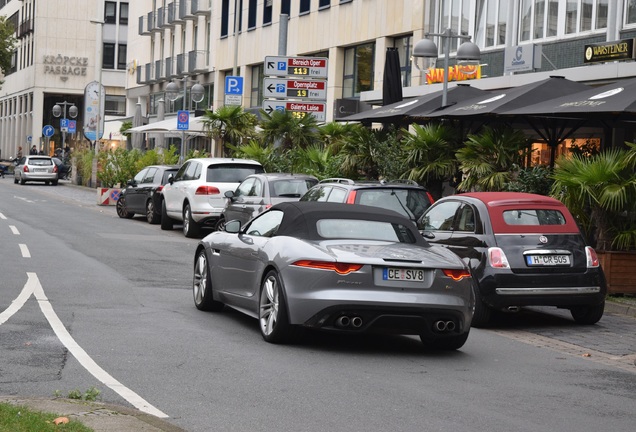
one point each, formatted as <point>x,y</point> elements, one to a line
<point>2,216</point>
<point>14,230</point>
<point>23,199</point>
<point>33,286</point>
<point>25,251</point>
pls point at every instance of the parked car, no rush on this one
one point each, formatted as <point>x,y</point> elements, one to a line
<point>335,267</point>
<point>523,250</point>
<point>36,168</point>
<point>258,192</point>
<point>63,170</point>
<point>194,195</point>
<point>403,196</point>
<point>142,194</point>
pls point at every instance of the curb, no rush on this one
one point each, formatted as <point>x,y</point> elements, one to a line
<point>620,308</point>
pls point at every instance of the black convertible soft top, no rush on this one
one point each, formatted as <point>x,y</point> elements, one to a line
<point>300,218</point>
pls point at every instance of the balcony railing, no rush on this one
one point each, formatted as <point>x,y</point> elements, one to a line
<point>152,22</point>
<point>25,28</point>
<point>184,10</point>
<point>159,22</point>
<point>201,7</point>
<point>181,65</point>
<point>197,62</point>
<point>170,15</point>
<point>158,70</point>
<point>144,73</point>
<point>143,25</point>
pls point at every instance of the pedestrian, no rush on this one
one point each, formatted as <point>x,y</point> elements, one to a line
<point>34,150</point>
<point>19,154</point>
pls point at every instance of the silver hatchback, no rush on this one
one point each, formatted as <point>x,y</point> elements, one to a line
<point>36,168</point>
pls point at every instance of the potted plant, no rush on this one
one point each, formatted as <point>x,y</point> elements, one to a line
<point>600,191</point>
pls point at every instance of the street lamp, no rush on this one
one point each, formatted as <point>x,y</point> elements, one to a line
<point>197,93</point>
<point>467,53</point>
<point>58,111</point>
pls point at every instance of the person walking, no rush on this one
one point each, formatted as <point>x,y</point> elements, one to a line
<point>18,156</point>
<point>34,150</point>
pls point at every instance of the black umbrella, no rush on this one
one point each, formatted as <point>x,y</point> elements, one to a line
<point>392,83</point>
<point>421,105</point>
<point>501,101</point>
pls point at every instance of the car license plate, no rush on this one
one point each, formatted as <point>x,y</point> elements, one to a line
<point>40,169</point>
<point>398,274</point>
<point>547,260</point>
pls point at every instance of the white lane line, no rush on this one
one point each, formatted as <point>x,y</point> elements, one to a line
<point>14,230</point>
<point>18,302</point>
<point>3,217</point>
<point>25,251</point>
<point>83,358</point>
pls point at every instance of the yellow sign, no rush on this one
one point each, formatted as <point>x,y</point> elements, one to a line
<point>455,73</point>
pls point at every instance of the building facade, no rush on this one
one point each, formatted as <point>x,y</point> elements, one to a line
<point>61,48</point>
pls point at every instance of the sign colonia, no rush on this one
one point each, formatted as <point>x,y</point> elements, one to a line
<point>455,73</point>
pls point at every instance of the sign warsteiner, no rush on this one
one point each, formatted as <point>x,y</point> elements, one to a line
<point>314,67</point>
<point>293,88</point>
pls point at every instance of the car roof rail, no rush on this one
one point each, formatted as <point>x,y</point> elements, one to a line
<point>338,180</point>
<point>405,181</point>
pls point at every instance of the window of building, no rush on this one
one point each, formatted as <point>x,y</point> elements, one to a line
<point>121,56</point>
<point>324,4</point>
<point>110,12</point>
<point>240,17</point>
<point>358,70</point>
<point>225,17</point>
<point>404,46</point>
<point>108,57</point>
<point>123,13</point>
<point>630,12</point>
<point>490,22</point>
<point>285,7</point>
<point>305,5</point>
<point>256,96</point>
<point>267,12</point>
<point>115,105</point>
<point>251,15</point>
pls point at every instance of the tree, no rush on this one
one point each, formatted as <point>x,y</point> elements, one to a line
<point>285,129</point>
<point>229,124</point>
<point>7,45</point>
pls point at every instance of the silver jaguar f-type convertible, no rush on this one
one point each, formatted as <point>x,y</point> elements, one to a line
<point>338,267</point>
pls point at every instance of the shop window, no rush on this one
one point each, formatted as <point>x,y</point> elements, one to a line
<point>358,70</point>
<point>404,46</point>
<point>540,151</point>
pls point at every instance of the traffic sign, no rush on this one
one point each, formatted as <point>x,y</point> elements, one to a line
<point>233,99</point>
<point>48,131</point>
<point>72,126</point>
<point>233,85</point>
<point>64,125</point>
<point>316,109</point>
<point>295,88</point>
<point>314,67</point>
<point>183,120</point>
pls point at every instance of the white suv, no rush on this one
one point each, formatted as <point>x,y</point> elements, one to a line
<point>195,195</point>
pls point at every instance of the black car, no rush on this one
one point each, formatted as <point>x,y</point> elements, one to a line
<point>143,195</point>
<point>403,196</point>
<point>523,250</point>
<point>64,170</point>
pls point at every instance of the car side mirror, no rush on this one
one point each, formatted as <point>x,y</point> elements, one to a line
<point>131,183</point>
<point>171,179</point>
<point>229,194</point>
<point>427,234</point>
<point>233,226</point>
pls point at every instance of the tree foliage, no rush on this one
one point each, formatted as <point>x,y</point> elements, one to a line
<point>7,44</point>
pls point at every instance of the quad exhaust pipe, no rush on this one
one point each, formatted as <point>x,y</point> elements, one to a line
<point>444,326</point>
<point>345,321</point>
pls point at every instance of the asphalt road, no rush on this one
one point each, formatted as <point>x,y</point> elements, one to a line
<point>106,303</point>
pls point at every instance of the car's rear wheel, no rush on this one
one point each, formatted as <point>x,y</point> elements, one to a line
<point>482,314</point>
<point>151,216</point>
<point>190,227</point>
<point>220,224</point>
<point>448,343</point>
<point>166,221</point>
<point>22,181</point>
<point>54,182</point>
<point>272,312</point>
<point>588,315</point>
<point>15,178</point>
<point>202,285</point>
<point>122,212</point>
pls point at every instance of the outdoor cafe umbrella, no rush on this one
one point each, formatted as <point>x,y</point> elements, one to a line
<point>392,82</point>
<point>425,104</point>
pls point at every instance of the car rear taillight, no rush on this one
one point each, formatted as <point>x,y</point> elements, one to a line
<point>592,258</point>
<point>430,197</point>
<point>207,190</point>
<point>456,274</point>
<point>351,199</point>
<point>54,168</point>
<point>159,188</point>
<point>340,268</point>
<point>497,258</point>
<point>25,169</point>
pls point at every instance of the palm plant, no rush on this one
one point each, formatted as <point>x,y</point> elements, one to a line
<point>264,154</point>
<point>490,159</point>
<point>360,153</point>
<point>229,124</point>
<point>284,129</point>
<point>600,191</point>
<point>430,155</point>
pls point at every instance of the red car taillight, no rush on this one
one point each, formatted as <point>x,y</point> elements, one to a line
<point>54,168</point>
<point>430,197</point>
<point>592,258</point>
<point>351,199</point>
<point>497,258</point>
<point>340,268</point>
<point>456,274</point>
<point>159,188</point>
<point>25,169</point>
<point>207,190</point>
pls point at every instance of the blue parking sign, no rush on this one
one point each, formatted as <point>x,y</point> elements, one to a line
<point>233,85</point>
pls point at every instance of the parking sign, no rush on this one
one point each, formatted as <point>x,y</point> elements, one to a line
<point>233,85</point>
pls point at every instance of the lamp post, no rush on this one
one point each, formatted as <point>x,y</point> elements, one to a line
<point>99,65</point>
<point>58,111</point>
<point>197,93</point>
<point>467,53</point>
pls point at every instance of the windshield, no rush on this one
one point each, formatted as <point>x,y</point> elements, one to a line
<point>231,173</point>
<point>409,202</point>
<point>363,230</point>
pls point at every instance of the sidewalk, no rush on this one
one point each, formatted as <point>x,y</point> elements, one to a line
<point>98,416</point>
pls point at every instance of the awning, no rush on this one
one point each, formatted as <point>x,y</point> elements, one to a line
<point>169,127</point>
